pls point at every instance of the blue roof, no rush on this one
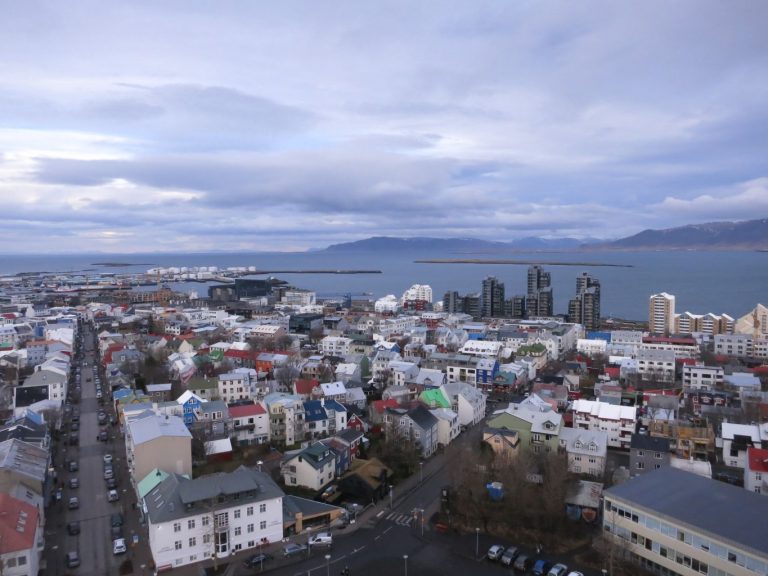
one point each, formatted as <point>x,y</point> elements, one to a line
<point>314,411</point>
<point>334,405</point>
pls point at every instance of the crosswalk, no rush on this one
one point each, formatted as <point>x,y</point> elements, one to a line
<point>401,519</point>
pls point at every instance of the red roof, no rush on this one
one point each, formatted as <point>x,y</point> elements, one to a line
<point>305,386</point>
<point>761,369</point>
<point>669,340</point>
<point>246,410</point>
<point>613,371</point>
<point>381,405</point>
<point>245,354</point>
<point>758,459</point>
<point>18,524</point>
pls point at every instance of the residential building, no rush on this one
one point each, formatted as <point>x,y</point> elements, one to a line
<point>447,425</point>
<point>212,516</point>
<point>586,450</point>
<point>492,304</point>
<point>21,537</point>
<point>313,467</point>
<point>647,453</point>
<point>153,441</point>
<point>286,418</point>
<point>250,423</point>
<point>700,377</point>
<point>656,365</point>
<point>335,345</point>
<point>738,345</point>
<point>504,443</point>
<point>738,438</point>
<point>756,471</point>
<point>687,439</point>
<point>754,323</point>
<point>467,401</point>
<point>618,421</point>
<point>234,386</point>
<point>537,431</point>
<point>661,313</point>
<point>416,425</point>
<point>675,522</point>
<point>584,309</point>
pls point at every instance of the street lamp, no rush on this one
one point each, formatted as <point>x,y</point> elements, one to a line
<point>421,471</point>
<point>405,559</point>
<point>259,463</point>
<point>477,542</point>
<point>390,496</point>
<point>328,565</point>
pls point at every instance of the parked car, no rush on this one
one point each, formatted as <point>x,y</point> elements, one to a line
<point>73,466</point>
<point>112,484</point>
<point>74,482</point>
<point>558,570</point>
<point>293,549</point>
<point>541,567</point>
<point>103,436</point>
<point>107,458</point>
<point>74,503</point>
<point>118,546</point>
<point>509,555</point>
<point>321,539</point>
<point>256,560</point>
<point>522,563</point>
<point>73,559</point>
<point>116,519</point>
<point>73,528</point>
<point>495,552</point>
<point>113,496</point>
<point>575,573</point>
<point>328,492</point>
<point>108,474</point>
<point>117,532</point>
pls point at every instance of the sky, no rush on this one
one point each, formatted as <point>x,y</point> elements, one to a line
<point>187,126</point>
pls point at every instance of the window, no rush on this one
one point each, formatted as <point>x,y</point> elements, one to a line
<point>249,510</point>
<point>177,544</point>
<point>191,524</point>
<point>177,526</point>
<point>658,455</point>
<point>238,531</point>
<point>22,560</point>
<point>250,528</point>
<point>262,508</point>
<point>11,563</point>
<point>263,525</point>
<point>237,514</point>
<point>640,465</point>
<point>206,538</point>
<point>640,453</point>
<point>206,520</point>
<point>192,542</point>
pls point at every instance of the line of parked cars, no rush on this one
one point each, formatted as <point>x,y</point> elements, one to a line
<point>513,557</point>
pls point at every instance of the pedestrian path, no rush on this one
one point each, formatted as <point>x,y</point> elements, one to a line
<point>400,519</point>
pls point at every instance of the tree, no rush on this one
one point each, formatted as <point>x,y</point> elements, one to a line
<point>399,452</point>
<point>287,374</point>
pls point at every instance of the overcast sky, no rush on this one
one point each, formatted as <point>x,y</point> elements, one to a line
<point>191,126</point>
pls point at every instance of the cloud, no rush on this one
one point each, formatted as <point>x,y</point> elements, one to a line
<point>747,201</point>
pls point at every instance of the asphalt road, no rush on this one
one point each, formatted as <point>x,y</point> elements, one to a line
<point>94,543</point>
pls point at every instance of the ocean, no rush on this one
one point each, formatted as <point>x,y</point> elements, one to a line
<point>719,282</point>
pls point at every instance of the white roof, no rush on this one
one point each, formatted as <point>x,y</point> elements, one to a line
<point>729,430</point>
<point>578,441</point>
<point>150,428</point>
<point>218,446</point>
<point>333,388</point>
<point>605,411</point>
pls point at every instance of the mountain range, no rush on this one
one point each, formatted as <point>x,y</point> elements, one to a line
<point>744,235</point>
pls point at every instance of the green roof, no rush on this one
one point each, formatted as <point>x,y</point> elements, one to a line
<point>434,399</point>
<point>202,383</point>
<point>147,484</point>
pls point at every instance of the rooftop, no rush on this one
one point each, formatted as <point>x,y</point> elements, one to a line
<point>727,513</point>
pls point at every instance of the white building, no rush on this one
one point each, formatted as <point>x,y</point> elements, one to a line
<point>212,516</point>
<point>466,400</point>
<point>738,438</point>
<point>335,345</point>
<point>661,313</point>
<point>586,449</point>
<point>617,421</point>
<point>699,377</point>
<point>756,471</point>
<point>447,425</point>
<point>485,348</point>
<point>739,345</point>
<point>418,292</point>
<point>388,304</point>
<point>656,364</point>
<point>591,347</point>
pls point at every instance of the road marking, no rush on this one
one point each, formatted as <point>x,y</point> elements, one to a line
<point>379,514</point>
<point>387,530</point>
<point>377,537</point>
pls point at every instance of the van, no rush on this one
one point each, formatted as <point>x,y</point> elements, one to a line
<point>321,539</point>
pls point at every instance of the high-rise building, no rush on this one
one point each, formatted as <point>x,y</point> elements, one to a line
<point>454,303</point>
<point>539,301</point>
<point>585,308</point>
<point>451,302</point>
<point>515,307</point>
<point>661,313</point>
<point>492,305</point>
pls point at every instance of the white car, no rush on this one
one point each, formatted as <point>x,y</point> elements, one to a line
<point>321,539</point>
<point>107,458</point>
<point>118,546</point>
<point>113,496</point>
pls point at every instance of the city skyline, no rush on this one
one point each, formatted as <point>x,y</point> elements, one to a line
<point>200,126</point>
